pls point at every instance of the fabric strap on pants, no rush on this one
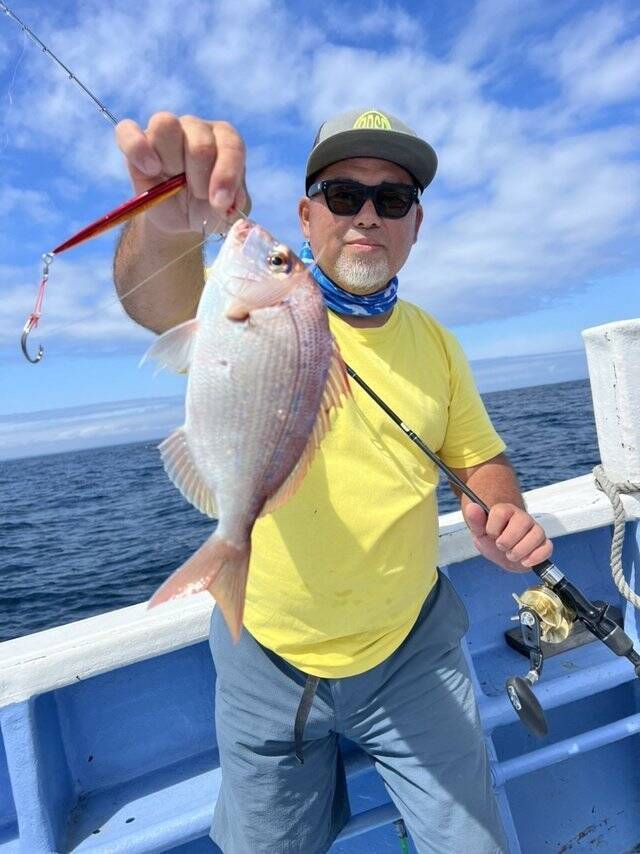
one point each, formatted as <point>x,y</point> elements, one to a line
<point>302,714</point>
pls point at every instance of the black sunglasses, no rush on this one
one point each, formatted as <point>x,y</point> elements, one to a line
<point>346,198</point>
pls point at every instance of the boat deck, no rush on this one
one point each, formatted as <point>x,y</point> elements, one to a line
<point>121,757</point>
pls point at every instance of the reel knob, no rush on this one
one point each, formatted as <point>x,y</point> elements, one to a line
<point>527,706</point>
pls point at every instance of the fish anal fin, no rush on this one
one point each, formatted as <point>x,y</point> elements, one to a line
<point>336,387</point>
<point>173,349</point>
<point>183,473</point>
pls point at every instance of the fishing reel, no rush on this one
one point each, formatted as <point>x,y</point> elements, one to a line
<point>543,619</point>
<point>548,626</point>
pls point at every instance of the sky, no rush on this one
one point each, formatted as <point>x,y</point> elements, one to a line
<point>531,224</point>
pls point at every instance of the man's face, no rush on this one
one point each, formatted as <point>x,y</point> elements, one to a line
<point>361,252</point>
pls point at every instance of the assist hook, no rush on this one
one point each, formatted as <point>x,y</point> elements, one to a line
<point>34,317</point>
<point>29,325</point>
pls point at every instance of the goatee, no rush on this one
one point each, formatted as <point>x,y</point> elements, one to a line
<point>360,275</point>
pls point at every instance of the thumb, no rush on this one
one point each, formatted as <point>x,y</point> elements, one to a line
<point>476,519</point>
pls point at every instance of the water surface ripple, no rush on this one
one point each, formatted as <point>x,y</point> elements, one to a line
<point>91,531</point>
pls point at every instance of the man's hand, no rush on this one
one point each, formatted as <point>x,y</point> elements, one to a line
<point>212,154</point>
<point>509,536</point>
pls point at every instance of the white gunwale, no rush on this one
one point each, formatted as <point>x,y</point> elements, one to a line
<point>54,658</point>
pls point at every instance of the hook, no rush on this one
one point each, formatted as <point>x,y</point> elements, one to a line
<point>32,322</point>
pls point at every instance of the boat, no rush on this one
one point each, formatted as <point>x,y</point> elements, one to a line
<point>108,740</point>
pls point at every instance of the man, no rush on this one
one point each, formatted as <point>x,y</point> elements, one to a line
<point>343,583</point>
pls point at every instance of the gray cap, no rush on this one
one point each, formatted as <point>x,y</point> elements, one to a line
<point>372,133</point>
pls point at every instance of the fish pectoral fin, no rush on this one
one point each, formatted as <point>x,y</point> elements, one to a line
<point>337,387</point>
<point>237,309</point>
<point>183,473</point>
<point>174,348</point>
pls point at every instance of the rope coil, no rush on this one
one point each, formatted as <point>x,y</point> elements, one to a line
<point>613,491</point>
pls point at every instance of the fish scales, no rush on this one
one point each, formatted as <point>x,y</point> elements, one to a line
<point>248,397</point>
<point>264,375</point>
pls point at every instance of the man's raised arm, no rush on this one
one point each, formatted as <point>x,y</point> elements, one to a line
<point>212,155</point>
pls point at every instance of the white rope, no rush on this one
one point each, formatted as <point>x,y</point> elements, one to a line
<point>613,492</point>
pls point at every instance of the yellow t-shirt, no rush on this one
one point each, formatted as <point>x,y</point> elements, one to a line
<point>339,573</point>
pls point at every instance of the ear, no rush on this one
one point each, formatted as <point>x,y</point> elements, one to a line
<point>419,218</point>
<point>303,214</point>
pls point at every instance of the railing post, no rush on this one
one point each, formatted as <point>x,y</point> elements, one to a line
<point>613,357</point>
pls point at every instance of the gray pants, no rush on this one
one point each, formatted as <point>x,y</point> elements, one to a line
<point>414,714</point>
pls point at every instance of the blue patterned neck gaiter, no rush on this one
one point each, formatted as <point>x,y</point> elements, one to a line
<point>342,302</point>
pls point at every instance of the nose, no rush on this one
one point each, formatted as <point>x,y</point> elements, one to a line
<point>367,216</point>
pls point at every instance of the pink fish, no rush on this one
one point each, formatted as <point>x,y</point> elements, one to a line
<point>264,375</point>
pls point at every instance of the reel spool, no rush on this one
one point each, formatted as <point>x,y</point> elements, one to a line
<point>556,620</point>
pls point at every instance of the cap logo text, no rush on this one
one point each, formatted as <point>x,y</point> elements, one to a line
<point>372,120</point>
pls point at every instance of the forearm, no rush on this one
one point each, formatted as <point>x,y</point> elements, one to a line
<point>509,535</point>
<point>495,482</point>
<point>169,297</point>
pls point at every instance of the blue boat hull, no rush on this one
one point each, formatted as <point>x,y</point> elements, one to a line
<point>126,761</point>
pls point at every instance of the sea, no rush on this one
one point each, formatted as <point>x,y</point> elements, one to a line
<point>84,532</point>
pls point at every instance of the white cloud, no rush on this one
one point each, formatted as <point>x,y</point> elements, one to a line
<point>79,304</point>
<point>529,202</point>
<point>491,29</point>
<point>388,21</point>
<point>56,431</point>
<point>534,369</point>
<point>34,204</point>
<point>593,58</point>
<point>256,55</point>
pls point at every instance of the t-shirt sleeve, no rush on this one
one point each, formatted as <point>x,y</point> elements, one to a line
<point>470,437</point>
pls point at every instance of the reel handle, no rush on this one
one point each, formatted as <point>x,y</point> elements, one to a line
<point>519,691</point>
<point>526,704</point>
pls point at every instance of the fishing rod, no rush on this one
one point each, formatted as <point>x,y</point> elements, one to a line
<point>143,201</point>
<point>597,617</point>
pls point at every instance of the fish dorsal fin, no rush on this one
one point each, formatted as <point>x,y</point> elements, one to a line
<point>173,348</point>
<point>182,471</point>
<point>336,387</point>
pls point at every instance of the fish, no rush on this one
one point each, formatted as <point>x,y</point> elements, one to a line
<point>264,377</point>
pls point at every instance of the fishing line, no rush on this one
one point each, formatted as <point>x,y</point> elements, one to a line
<point>10,94</point>
<point>595,616</point>
<point>71,76</point>
<point>117,300</point>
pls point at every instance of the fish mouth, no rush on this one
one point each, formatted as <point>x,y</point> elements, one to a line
<point>241,230</point>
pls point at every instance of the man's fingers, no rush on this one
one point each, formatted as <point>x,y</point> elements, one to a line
<point>516,528</point>
<point>200,154</point>
<point>528,544</point>
<point>166,136</point>
<point>228,173</point>
<point>499,517</point>
<point>137,149</point>
<point>539,555</point>
<point>475,517</point>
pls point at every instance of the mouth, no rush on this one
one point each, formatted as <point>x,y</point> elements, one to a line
<point>241,230</point>
<point>364,242</point>
<point>364,245</point>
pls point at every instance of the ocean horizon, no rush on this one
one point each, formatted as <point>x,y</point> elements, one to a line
<point>42,432</point>
<point>86,531</point>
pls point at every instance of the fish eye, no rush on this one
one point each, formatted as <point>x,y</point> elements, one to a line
<point>279,260</point>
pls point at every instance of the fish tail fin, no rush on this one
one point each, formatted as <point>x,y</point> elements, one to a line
<point>219,567</point>
<point>229,586</point>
